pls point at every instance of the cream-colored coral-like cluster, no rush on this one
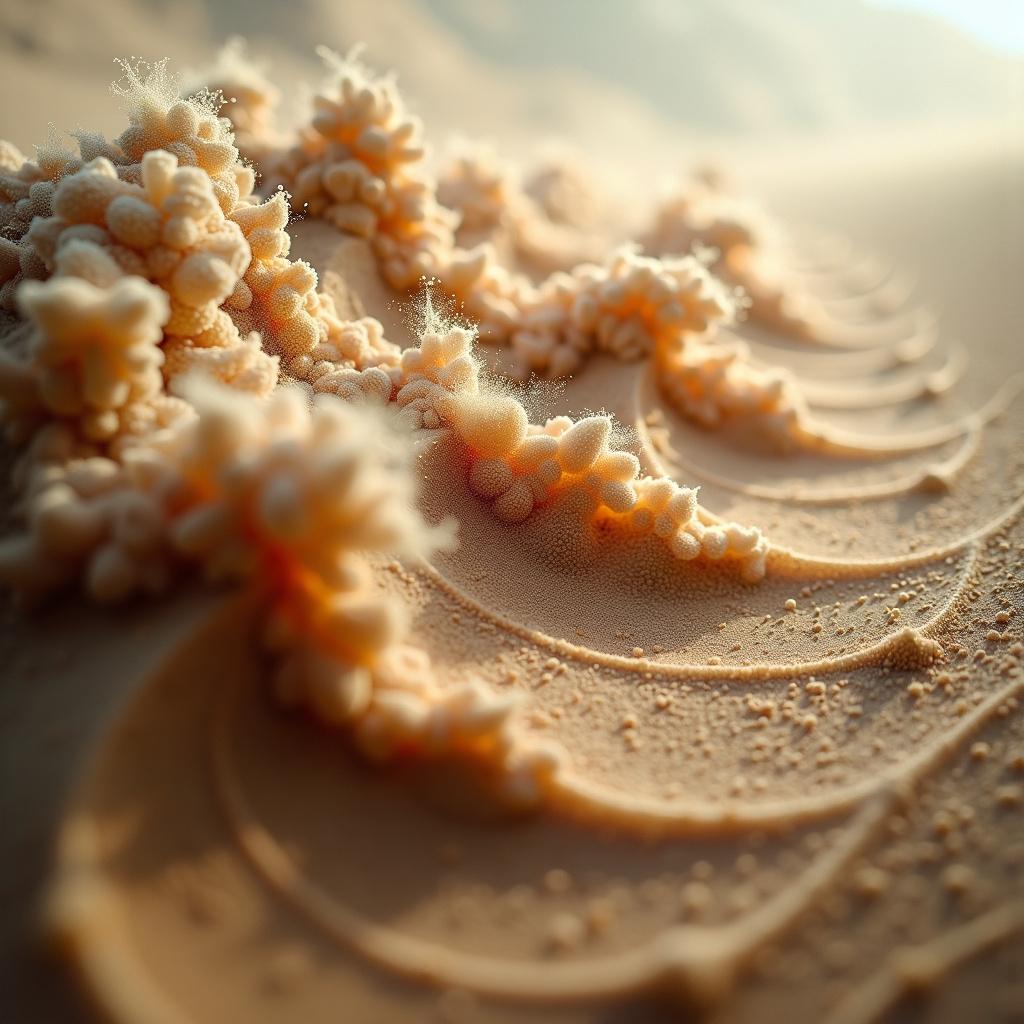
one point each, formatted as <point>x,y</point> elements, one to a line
<point>356,363</point>
<point>93,366</point>
<point>246,97</point>
<point>632,307</point>
<point>160,259</point>
<point>362,151</point>
<point>158,119</point>
<point>359,164</point>
<point>484,291</point>
<point>479,188</point>
<point>92,518</point>
<point>189,129</point>
<point>298,496</point>
<point>281,294</point>
<point>152,203</point>
<point>716,383</point>
<point>294,319</point>
<point>494,209</point>
<point>169,229</point>
<point>737,241</point>
<point>518,466</point>
<point>26,193</point>
<point>238,303</point>
<point>291,499</point>
<point>564,191</point>
<point>699,216</point>
<point>277,297</point>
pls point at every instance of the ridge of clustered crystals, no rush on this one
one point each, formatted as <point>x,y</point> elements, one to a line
<point>160,391</point>
<point>360,165</point>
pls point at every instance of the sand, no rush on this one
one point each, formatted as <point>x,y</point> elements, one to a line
<point>799,798</point>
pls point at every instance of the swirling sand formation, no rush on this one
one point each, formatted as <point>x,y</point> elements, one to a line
<point>704,702</point>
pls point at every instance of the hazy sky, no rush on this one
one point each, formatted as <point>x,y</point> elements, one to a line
<point>1000,23</point>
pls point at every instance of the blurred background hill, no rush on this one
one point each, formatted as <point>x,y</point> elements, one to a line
<point>609,77</point>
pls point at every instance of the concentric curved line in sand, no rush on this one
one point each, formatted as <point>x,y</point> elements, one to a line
<point>866,394</point>
<point>826,440</point>
<point>817,250</point>
<point>910,349</point>
<point>830,442</point>
<point>872,654</point>
<point>936,475</point>
<point>841,442</point>
<point>915,328</point>
<point>849,568</point>
<point>892,290</point>
<point>883,990</point>
<point>685,954</point>
<point>79,916</point>
<point>576,795</point>
<point>694,959</point>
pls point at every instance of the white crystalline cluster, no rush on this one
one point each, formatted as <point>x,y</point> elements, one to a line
<point>630,308</point>
<point>564,191</point>
<point>247,98</point>
<point>476,185</point>
<point>189,129</point>
<point>518,466</point>
<point>170,229</point>
<point>494,210</point>
<point>95,519</point>
<point>716,383</point>
<point>359,164</point>
<point>738,240</point>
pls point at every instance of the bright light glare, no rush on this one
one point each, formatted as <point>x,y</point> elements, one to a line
<point>998,23</point>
